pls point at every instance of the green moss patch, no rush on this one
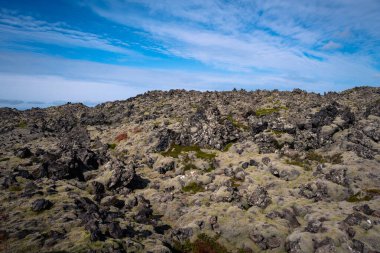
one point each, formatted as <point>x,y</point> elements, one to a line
<point>210,168</point>
<point>176,150</point>
<point>266,111</point>
<point>193,188</point>
<point>298,162</point>
<point>111,145</point>
<point>22,124</point>
<point>313,156</point>
<point>190,166</point>
<point>4,159</point>
<point>227,147</point>
<point>358,197</point>
<point>277,132</point>
<point>236,123</point>
<point>334,159</point>
<point>15,188</point>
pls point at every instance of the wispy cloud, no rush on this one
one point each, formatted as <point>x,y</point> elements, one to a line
<point>291,38</point>
<point>331,45</point>
<point>17,28</point>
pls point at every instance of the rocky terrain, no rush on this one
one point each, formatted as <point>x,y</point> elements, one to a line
<point>189,171</point>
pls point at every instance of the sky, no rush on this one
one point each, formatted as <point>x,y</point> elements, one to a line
<point>92,51</point>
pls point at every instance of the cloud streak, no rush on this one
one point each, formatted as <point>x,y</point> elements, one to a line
<point>25,29</point>
<point>290,38</point>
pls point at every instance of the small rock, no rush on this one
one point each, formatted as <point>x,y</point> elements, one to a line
<point>338,176</point>
<point>358,246</point>
<point>41,205</point>
<point>364,209</point>
<point>274,171</point>
<point>98,188</point>
<point>313,226</point>
<point>325,246</point>
<point>355,219</point>
<point>273,242</point>
<point>240,175</point>
<point>289,215</point>
<point>115,231</point>
<point>253,163</point>
<point>259,197</point>
<point>23,153</point>
<point>164,165</point>
<point>266,160</point>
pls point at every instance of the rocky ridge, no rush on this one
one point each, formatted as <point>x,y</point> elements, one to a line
<point>189,171</point>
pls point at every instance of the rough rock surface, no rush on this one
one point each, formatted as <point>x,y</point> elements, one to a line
<point>186,171</point>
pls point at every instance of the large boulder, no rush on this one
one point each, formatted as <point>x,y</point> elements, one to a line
<point>122,175</point>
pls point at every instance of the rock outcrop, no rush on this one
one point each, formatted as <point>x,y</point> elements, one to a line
<point>188,171</point>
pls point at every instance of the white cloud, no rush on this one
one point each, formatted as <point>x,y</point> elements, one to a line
<point>299,27</point>
<point>331,45</point>
<point>19,28</point>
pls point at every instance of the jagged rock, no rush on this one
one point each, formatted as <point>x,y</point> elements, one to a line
<point>355,219</point>
<point>207,128</point>
<point>338,176</point>
<point>41,205</point>
<point>252,162</point>
<point>122,175</point>
<point>244,165</point>
<point>373,109</point>
<point>165,138</point>
<point>358,246</point>
<point>317,191</point>
<point>181,234</point>
<point>115,231</point>
<point>289,215</point>
<point>144,211</point>
<point>23,152</point>
<point>264,243</point>
<point>95,232</point>
<point>24,174</point>
<point>112,201</point>
<point>98,189</point>
<point>164,165</point>
<point>313,226</point>
<point>266,160</point>
<point>258,125</point>
<point>267,143</point>
<point>364,209</point>
<point>259,197</point>
<point>325,246</point>
<point>86,205</point>
<point>325,116</point>
<point>274,171</point>
<point>289,175</point>
<point>293,247</point>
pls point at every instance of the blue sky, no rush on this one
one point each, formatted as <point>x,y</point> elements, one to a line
<point>99,50</point>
